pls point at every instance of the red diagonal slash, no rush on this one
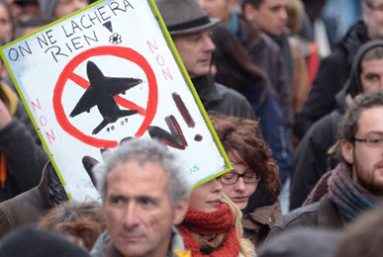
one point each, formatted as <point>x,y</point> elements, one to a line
<point>121,101</point>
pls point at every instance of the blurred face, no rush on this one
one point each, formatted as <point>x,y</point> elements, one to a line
<point>65,7</point>
<point>240,191</point>
<point>219,9</point>
<point>270,16</point>
<point>138,209</point>
<point>195,51</point>
<point>373,17</point>
<point>5,23</point>
<point>371,76</point>
<point>206,197</point>
<point>367,161</point>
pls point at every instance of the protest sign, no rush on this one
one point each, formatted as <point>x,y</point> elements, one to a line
<point>103,75</point>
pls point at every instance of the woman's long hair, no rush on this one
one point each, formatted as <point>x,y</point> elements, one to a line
<point>247,248</point>
<point>235,69</point>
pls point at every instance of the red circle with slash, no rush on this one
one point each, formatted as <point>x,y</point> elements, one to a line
<point>68,73</point>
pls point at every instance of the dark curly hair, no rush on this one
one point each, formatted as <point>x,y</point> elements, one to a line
<point>238,137</point>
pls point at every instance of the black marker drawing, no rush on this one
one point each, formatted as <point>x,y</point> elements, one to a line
<point>115,39</point>
<point>174,139</point>
<point>101,92</point>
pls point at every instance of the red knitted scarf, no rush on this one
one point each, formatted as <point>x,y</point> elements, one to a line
<point>213,223</point>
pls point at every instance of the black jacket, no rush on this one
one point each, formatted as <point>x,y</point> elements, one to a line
<point>332,75</point>
<point>265,53</point>
<point>24,155</point>
<point>216,97</point>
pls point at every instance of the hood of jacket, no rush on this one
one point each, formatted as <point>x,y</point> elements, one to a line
<point>353,85</point>
<point>353,39</point>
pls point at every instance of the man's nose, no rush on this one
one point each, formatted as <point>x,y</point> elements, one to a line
<point>208,44</point>
<point>131,217</point>
<point>283,14</point>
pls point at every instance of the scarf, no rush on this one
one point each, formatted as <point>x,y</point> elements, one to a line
<point>214,230</point>
<point>350,197</point>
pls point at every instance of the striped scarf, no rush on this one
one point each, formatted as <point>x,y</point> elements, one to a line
<point>350,197</point>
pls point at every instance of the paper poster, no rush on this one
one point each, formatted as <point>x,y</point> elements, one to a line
<point>103,75</point>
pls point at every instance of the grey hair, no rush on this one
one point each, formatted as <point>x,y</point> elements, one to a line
<point>143,151</point>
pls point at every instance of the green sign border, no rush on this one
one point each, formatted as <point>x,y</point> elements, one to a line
<point>180,64</point>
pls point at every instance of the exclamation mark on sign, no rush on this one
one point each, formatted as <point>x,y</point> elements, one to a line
<point>115,38</point>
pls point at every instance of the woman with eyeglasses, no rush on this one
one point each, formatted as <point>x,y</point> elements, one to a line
<point>253,184</point>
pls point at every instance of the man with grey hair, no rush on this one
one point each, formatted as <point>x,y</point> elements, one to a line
<point>145,192</point>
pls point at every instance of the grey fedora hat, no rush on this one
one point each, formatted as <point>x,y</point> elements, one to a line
<point>184,16</point>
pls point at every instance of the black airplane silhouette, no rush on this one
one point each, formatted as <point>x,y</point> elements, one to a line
<point>101,92</point>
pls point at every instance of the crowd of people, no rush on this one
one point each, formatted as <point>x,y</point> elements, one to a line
<point>294,91</point>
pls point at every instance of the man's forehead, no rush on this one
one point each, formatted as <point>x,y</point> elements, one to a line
<point>375,64</point>
<point>205,31</point>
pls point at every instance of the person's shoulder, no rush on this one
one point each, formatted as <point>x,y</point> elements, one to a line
<point>303,216</point>
<point>230,93</point>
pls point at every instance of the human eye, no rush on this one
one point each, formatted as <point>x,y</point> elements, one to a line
<point>147,202</point>
<point>249,175</point>
<point>118,200</point>
<point>229,175</point>
<point>372,77</point>
<point>375,140</point>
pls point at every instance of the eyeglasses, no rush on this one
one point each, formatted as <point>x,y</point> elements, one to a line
<point>231,178</point>
<point>374,140</point>
<point>377,8</point>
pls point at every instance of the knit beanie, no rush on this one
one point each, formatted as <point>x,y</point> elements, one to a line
<point>31,242</point>
<point>47,7</point>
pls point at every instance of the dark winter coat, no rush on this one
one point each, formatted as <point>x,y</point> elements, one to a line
<point>265,53</point>
<point>216,97</point>
<point>24,155</point>
<point>333,73</point>
<point>26,208</point>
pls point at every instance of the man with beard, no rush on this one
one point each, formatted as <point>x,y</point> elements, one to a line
<point>356,184</point>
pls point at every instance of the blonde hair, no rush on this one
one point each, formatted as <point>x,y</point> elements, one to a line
<point>247,247</point>
<point>295,10</point>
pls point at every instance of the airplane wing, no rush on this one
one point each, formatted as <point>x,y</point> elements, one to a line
<point>85,103</point>
<point>118,86</point>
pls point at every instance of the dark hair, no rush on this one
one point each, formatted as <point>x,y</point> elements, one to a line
<point>82,220</point>
<point>255,3</point>
<point>350,120</point>
<point>238,138</point>
<point>234,66</point>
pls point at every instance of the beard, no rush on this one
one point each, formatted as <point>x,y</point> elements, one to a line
<point>369,179</point>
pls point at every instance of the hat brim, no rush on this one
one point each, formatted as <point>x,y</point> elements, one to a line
<point>213,22</point>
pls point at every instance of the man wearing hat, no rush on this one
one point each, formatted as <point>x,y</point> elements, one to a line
<point>189,26</point>
<point>56,9</point>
